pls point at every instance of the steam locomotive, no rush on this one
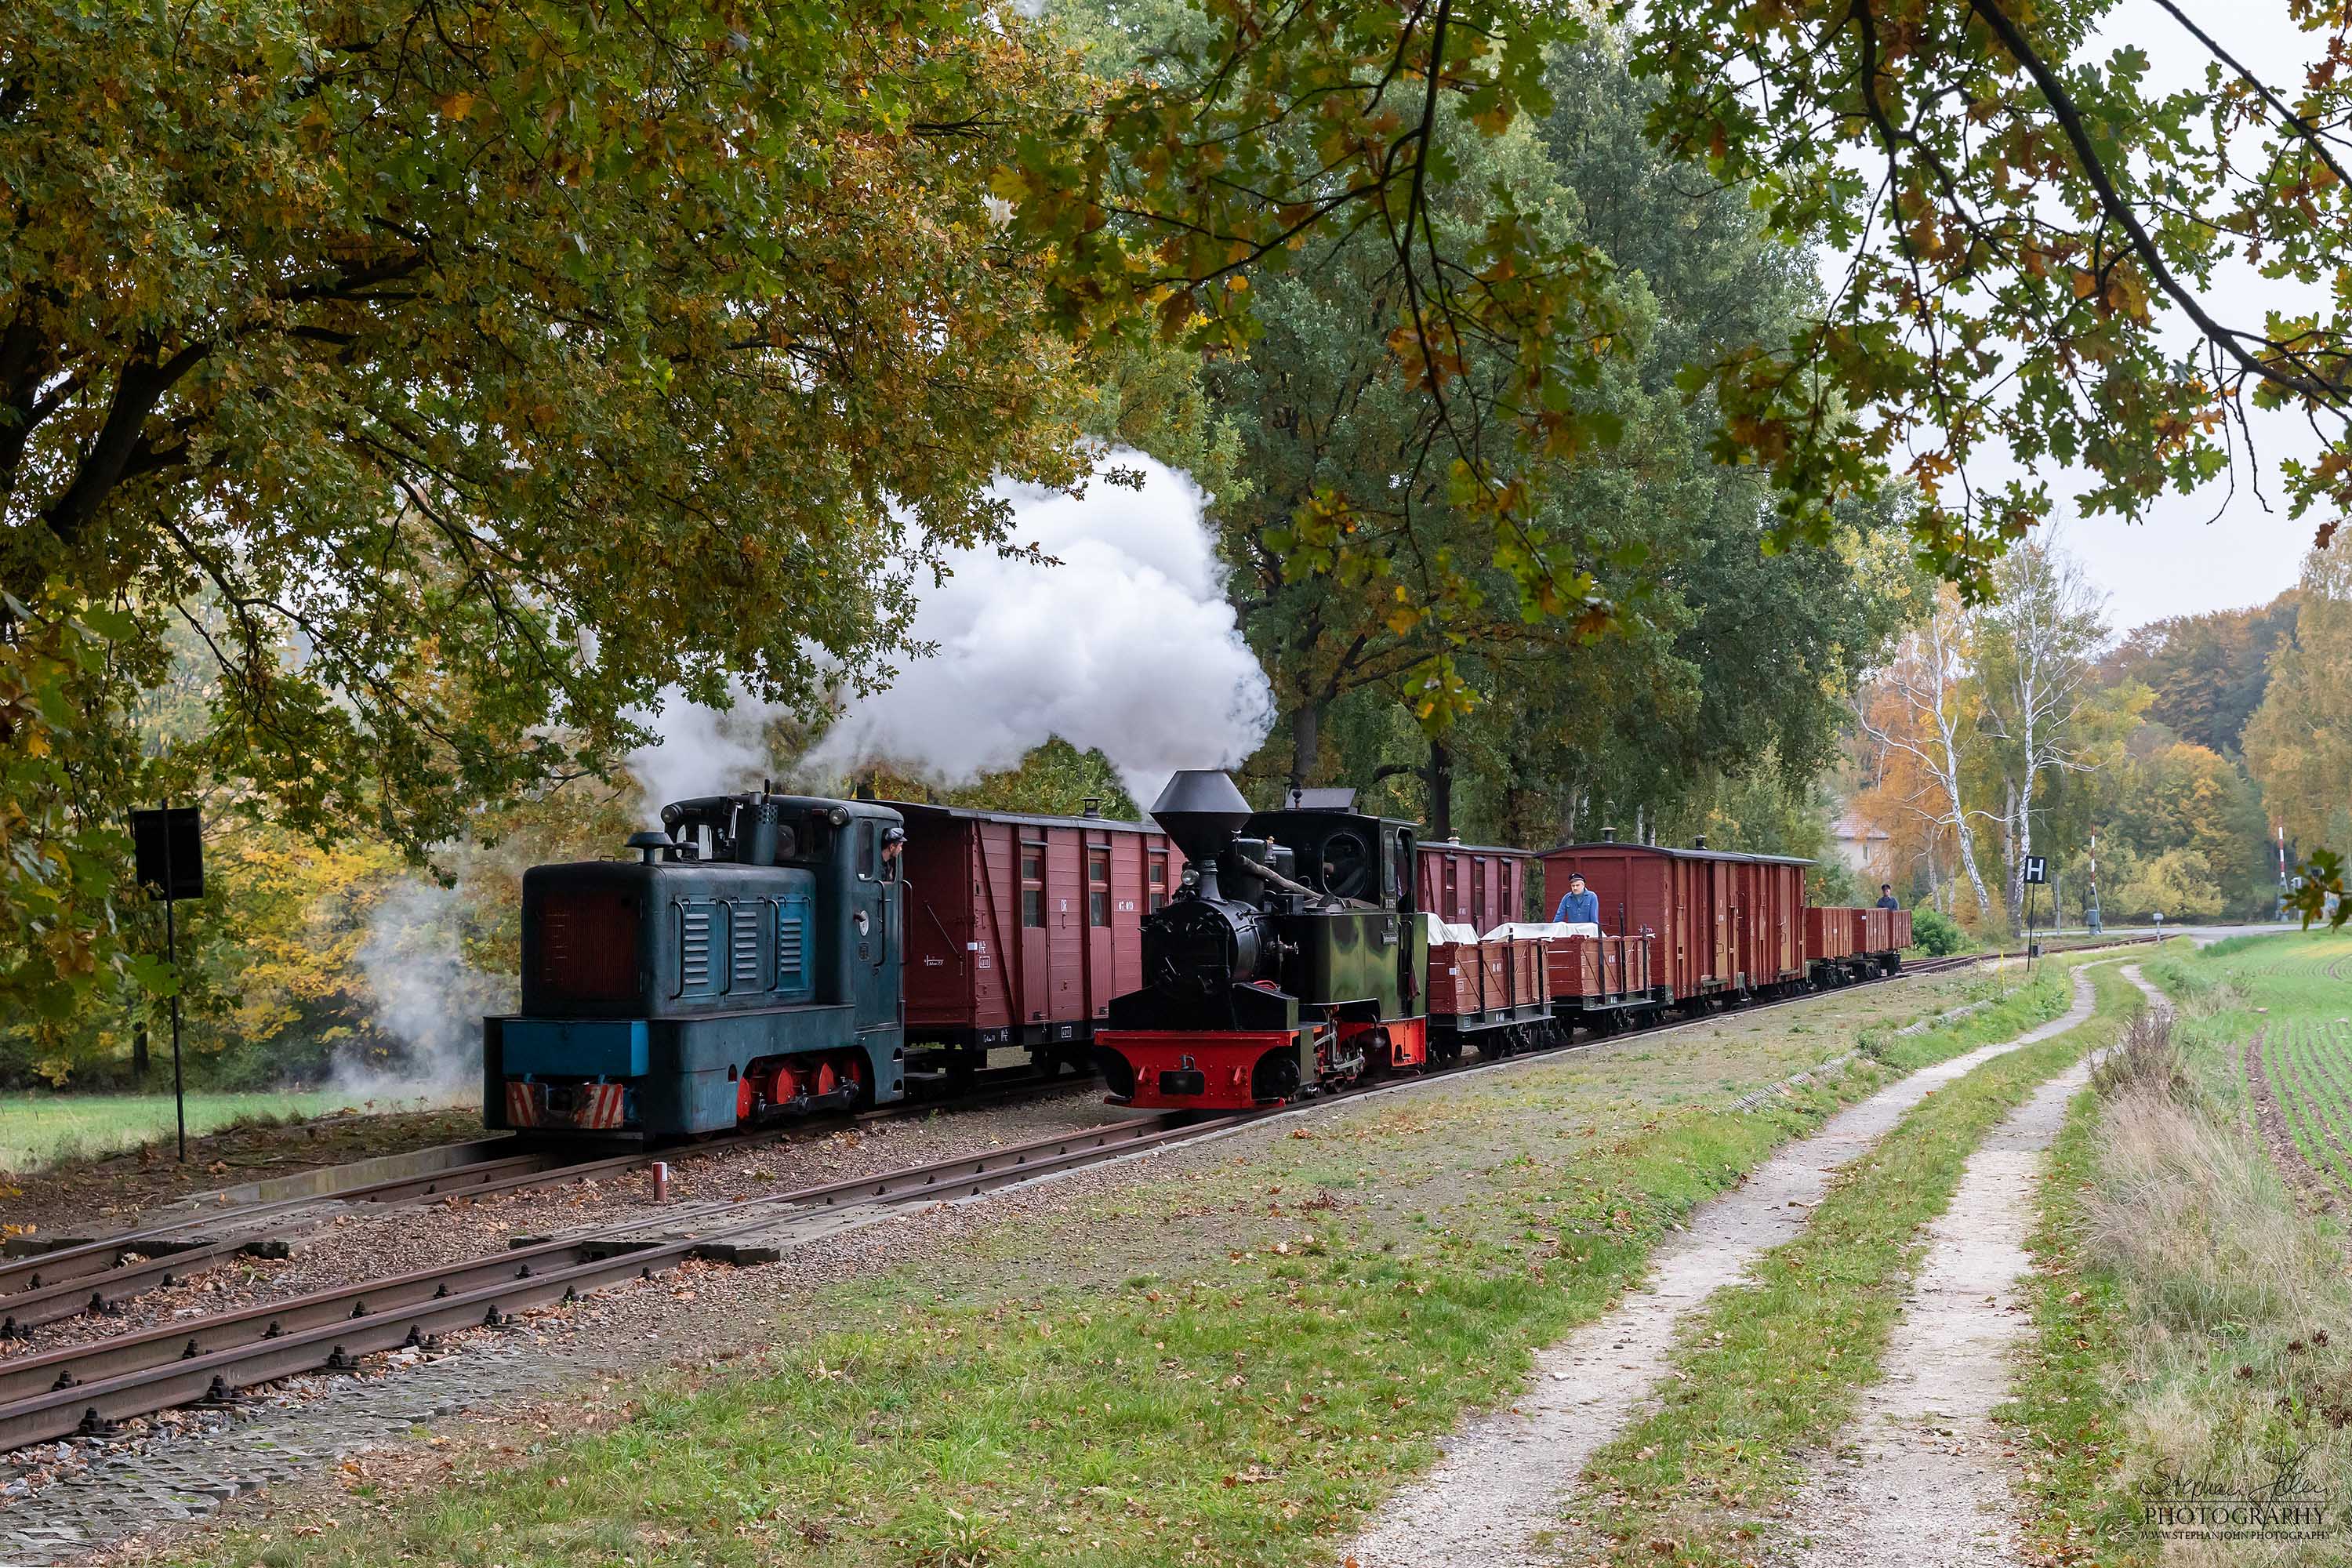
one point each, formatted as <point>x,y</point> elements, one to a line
<point>1291,960</point>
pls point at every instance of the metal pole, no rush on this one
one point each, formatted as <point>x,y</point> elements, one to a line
<point>171,953</point>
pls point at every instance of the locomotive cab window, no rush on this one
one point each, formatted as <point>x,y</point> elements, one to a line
<point>868,849</point>
<point>1097,887</point>
<point>1033,885</point>
<point>1347,866</point>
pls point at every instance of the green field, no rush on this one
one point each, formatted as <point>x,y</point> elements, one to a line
<point>39,1129</point>
<point>2300,1025</point>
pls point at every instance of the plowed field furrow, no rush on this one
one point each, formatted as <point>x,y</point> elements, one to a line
<point>2312,1083</point>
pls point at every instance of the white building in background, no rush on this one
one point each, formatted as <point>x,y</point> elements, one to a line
<point>1862,847</point>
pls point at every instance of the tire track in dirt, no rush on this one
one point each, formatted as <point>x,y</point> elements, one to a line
<point>1924,1479</point>
<point>1504,1477</point>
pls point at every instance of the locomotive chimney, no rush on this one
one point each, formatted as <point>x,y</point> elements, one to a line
<point>1201,811</point>
<point>1608,835</point>
<point>651,843</point>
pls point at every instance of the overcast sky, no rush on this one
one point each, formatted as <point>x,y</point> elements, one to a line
<point>2215,549</point>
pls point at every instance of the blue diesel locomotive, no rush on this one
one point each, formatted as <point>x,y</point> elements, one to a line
<point>745,967</point>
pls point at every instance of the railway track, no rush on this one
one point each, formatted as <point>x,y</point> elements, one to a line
<point>99,1276</point>
<point>86,1389</point>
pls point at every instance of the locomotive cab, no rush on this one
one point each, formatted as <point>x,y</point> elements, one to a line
<point>1290,962</point>
<point>744,967</point>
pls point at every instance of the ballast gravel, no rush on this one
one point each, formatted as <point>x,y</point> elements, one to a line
<point>344,1245</point>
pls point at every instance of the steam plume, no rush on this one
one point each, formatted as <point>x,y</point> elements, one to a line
<point>1128,645</point>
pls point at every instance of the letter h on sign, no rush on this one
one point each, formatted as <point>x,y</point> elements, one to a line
<point>2037,869</point>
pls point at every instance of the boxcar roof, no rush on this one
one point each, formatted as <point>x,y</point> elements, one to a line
<point>1442,846</point>
<point>1615,845</point>
<point>973,813</point>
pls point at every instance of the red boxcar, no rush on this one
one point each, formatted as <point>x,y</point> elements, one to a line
<point>1725,922</point>
<point>1899,936</point>
<point>1478,885</point>
<point>1020,929</point>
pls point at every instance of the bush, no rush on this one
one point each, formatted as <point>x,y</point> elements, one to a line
<point>1937,935</point>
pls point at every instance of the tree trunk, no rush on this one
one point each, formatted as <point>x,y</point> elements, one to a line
<point>138,1049</point>
<point>1441,791</point>
<point>1305,741</point>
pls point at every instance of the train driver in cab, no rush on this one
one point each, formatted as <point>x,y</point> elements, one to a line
<point>1578,905</point>
<point>894,844</point>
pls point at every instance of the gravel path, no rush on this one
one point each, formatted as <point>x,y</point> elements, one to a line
<point>1924,1478</point>
<point>1504,1477</point>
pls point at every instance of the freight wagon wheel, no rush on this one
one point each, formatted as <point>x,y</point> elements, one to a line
<point>1445,1049</point>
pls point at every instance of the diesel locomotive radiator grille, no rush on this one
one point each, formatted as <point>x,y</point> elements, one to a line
<point>587,947</point>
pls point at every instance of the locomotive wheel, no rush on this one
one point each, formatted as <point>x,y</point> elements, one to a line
<point>1275,1076</point>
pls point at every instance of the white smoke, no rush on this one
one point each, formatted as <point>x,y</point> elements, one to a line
<point>1127,645</point>
<point>429,1003</point>
<point>702,750</point>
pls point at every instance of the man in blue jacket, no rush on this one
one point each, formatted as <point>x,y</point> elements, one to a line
<point>1577,904</point>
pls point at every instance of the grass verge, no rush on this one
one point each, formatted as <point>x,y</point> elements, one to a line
<point>39,1131</point>
<point>1778,1365</point>
<point>2190,1320</point>
<point>1228,1363</point>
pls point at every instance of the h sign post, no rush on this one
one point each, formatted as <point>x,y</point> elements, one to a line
<point>2037,872</point>
<point>169,847</point>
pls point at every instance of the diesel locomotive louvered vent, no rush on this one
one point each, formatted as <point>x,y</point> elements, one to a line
<point>744,947</point>
<point>791,944</point>
<point>694,948</point>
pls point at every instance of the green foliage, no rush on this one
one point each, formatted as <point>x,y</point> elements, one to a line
<point>2299,742</point>
<point>1248,136</point>
<point>2171,798</point>
<point>1055,779</point>
<point>1938,934</point>
<point>2177,884</point>
<point>486,372</point>
<point>2208,673</point>
<point>2319,891</point>
<point>1996,182</point>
